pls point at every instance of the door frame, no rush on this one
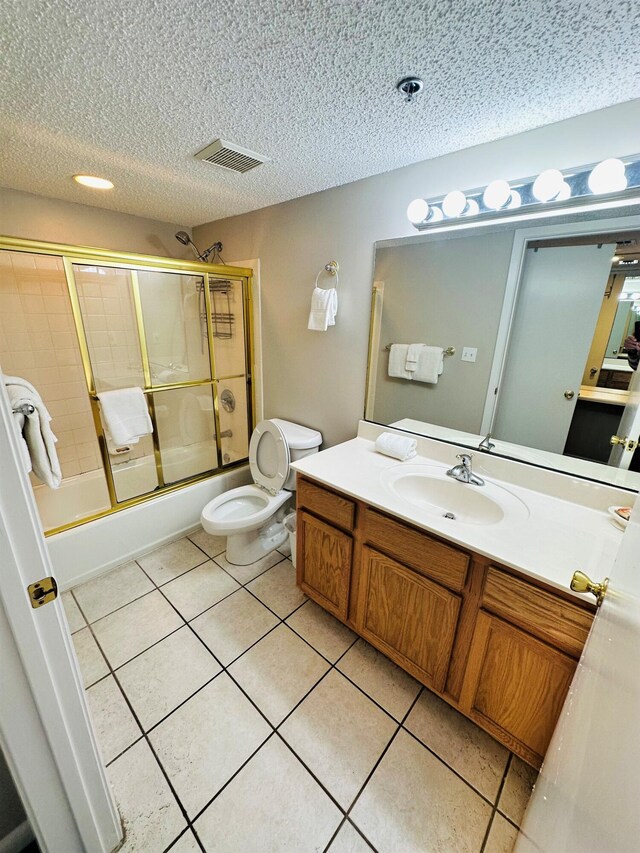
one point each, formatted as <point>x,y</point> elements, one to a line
<point>521,239</point>
<point>45,727</point>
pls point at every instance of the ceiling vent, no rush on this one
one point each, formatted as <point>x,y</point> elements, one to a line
<point>230,156</point>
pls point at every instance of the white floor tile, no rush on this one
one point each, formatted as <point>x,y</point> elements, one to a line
<point>150,814</point>
<point>158,680</point>
<point>204,742</point>
<point>244,574</point>
<point>186,844</point>
<point>72,612</point>
<point>272,805</point>
<point>112,590</point>
<point>198,589</point>
<point>233,625</point>
<point>92,663</point>
<point>517,789</point>
<point>325,633</point>
<point>211,545</point>
<point>502,836</point>
<point>113,721</point>
<point>339,734</point>
<point>348,840</point>
<point>277,589</point>
<point>278,671</point>
<point>135,627</point>
<point>172,560</point>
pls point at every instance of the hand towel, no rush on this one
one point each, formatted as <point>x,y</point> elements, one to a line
<point>324,307</point>
<point>125,415</point>
<point>430,365</point>
<point>413,352</point>
<point>36,431</point>
<point>397,362</point>
<point>19,420</point>
<point>398,446</point>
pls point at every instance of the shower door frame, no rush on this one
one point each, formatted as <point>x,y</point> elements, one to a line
<point>134,263</point>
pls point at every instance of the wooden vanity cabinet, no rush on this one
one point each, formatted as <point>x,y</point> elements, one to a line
<point>499,647</point>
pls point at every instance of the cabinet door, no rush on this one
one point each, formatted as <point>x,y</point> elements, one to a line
<point>515,686</point>
<point>324,564</point>
<point>408,617</point>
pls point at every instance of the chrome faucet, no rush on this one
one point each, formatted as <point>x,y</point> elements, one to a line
<point>463,472</point>
<point>486,444</point>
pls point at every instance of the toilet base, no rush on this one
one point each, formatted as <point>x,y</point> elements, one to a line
<point>246,548</point>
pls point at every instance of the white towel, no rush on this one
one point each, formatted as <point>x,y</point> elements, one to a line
<point>413,352</point>
<point>398,446</point>
<point>324,307</point>
<point>125,415</point>
<point>397,362</point>
<point>430,365</point>
<point>37,434</point>
<point>19,420</point>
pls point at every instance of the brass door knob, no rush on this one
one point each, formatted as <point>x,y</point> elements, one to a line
<point>583,583</point>
<point>616,439</point>
<point>569,395</point>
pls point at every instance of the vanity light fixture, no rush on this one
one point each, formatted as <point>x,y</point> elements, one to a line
<point>94,182</point>
<point>611,183</point>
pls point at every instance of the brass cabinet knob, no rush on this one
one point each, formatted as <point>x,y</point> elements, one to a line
<point>583,583</point>
<point>569,395</point>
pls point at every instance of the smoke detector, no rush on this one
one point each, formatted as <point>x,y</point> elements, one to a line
<point>231,156</point>
<point>410,87</point>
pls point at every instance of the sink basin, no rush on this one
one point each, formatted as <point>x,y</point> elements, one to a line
<point>429,488</point>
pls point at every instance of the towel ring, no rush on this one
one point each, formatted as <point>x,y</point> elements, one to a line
<point>326,269</point>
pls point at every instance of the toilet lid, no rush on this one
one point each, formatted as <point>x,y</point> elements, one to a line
<point>269,457</point>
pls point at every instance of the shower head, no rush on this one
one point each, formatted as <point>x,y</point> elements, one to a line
<point>215,249</point>
<point>183,237</point>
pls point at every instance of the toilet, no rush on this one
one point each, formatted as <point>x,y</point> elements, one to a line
<point>251,516</point>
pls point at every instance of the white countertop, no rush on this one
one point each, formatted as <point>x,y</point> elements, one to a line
<point>559,535</point>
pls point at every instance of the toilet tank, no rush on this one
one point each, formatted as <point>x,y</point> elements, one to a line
<point>302,442</point>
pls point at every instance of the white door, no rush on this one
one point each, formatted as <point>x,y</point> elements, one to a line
<point>629,426</point>
<point>45,729</point>
<point>587,797</point>
<point>557,309</point>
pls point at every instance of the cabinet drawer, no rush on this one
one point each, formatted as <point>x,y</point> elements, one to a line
<point>326,504</point>
<point>418,550</point>
<point>549,617</point>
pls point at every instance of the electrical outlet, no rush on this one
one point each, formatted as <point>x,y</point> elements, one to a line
<point>469,354</point>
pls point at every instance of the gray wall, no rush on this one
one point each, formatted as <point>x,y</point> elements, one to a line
<point>443,293</point>
<point>318,378</point>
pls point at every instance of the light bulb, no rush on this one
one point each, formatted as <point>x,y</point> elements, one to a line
<point>435,214</point>
<point>454,203</point>
<point>548,185</point>
<point>418,211</point>
<point>615,258</point>
<point>93,182</point>
<point>608,177</point>
<point>516,200</point>
<point>497,195</point>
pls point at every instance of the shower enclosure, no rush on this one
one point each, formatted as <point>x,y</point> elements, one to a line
<point>75,322</point>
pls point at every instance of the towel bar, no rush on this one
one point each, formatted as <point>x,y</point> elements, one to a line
<point>24,409</point>
<point>448,350</point>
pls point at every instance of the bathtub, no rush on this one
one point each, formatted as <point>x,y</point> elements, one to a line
<point>138,476</point>
<point>77,498</point>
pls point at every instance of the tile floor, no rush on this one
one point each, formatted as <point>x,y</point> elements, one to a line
<point>234,714</point>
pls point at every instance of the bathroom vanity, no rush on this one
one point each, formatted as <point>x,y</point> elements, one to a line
<point>476,606</point>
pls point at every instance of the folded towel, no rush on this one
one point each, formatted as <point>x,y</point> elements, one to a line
<point>413,351</point>
<point>430,365</point>
<point>125,415</point>
<point>399,446</point>
<point>324,307</point>
<point>19,420</point>
<point>36,432</point>
<point>397,362</point>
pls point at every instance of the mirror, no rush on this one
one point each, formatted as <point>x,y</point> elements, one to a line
<point>537,319</point>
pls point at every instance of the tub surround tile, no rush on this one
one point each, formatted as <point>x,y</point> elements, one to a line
<point>115,726</point>
<point>414,803</point>
<point>150,814</point>
<point>387,684</point>
<point>517,790</point>
<point>211,545</point>
<point>158,680</point>
<point>322,630</point>
<point>339,734</point>
<point>349,840</point>
<point>233,625</point>
<point>113,590</point>
<point>136,626</point>
<point>278,671</point>
<point>199,589</point>
<point>244,574</point>
<point>465,747</point>
<point>170,561</point>
<point>93,666</point>
<point>205,741</point>
<point>72,612</point>
<point>502,836</point>
<point>277,589</point>
<point>272,805</point>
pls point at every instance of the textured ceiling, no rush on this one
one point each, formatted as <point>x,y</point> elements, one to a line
<point>131,90</point>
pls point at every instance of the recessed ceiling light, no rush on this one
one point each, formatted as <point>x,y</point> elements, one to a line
<point>93,182</point>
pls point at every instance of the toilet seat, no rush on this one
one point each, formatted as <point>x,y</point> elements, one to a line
<point>243,508</point>
<point>269,457</point>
